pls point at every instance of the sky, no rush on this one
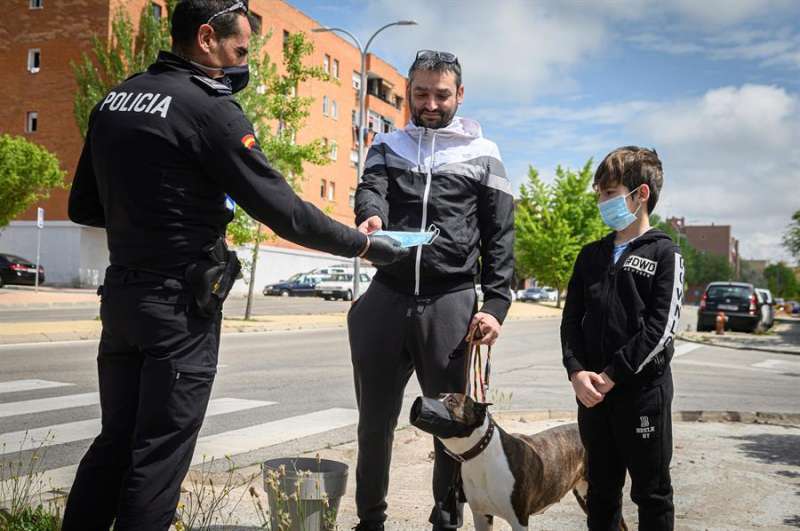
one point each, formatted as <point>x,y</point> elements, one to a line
<point>712,85</point>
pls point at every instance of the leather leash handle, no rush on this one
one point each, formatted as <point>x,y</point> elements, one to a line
<point>475,380</point>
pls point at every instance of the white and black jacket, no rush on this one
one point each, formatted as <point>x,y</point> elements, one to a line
<point>621,318</point>
<point>454,179</point>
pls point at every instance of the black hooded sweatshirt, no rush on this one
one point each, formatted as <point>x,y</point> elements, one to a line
<point>621,317</point>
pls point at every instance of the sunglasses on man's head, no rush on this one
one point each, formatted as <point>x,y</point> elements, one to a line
<point>237,6</point>
<point>445,57</point>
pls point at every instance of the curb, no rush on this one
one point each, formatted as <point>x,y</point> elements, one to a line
<point>738,347</point>
<point>744,417</point>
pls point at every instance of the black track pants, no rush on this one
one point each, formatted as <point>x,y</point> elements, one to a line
<point>631,430</point>
<point>391,336</point>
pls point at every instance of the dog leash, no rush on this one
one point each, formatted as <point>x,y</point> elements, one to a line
<point>476,373</point>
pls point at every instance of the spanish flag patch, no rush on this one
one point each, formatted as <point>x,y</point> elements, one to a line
<point>248,141</point>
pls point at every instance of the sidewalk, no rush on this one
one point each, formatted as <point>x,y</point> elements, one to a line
<point>726,475</point>
<point>45,331</point>
<point>783,338</point>
<point>47,297</point>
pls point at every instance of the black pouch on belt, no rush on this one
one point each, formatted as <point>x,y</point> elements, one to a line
<point>211,279</point>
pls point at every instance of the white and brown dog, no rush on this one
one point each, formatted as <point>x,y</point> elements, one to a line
<point>505,475</point>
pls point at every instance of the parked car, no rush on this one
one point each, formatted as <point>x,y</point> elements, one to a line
<point>767,306</point>
<point>299,285</point>
<point>479,293</point>
<point>791,307</point>
<point>737,300</point>
<point>551,293</point>
<point>340,286</point>
<point>533,295</point>
<point>18,270</point>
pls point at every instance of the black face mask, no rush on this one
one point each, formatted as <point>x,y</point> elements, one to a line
<point>235,78</point>
<point>431,416</point>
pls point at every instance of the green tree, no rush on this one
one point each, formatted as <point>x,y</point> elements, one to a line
<point>791,239</point>
<point>553,222</point>
<point>110,63</point>
<point>27,174</point>
<point>277,112</point>
<point>707,267</point>
<point>781,281</point>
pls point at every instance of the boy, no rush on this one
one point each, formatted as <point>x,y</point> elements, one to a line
<point>622,310</point>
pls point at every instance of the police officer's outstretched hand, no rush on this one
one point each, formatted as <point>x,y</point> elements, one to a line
<point>383,250</point>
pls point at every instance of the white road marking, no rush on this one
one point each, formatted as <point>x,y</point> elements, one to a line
<point>86,429</point>
<point>780,365</point>
<point>727,366</point>
<point>262,435</point>
<point>239,441</point>
<point>9,409</point>
<point>14,386</point>
<point>682,349</point>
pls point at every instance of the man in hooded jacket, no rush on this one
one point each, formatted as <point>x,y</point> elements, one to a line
<point>438,175</point>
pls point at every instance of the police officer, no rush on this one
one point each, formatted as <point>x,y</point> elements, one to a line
<point>163,150</point>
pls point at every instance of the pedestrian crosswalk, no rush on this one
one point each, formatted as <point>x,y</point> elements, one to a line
<point>214,446</point>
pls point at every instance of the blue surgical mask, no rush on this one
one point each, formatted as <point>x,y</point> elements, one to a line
<point>411,239</point>
<point>615,212</point>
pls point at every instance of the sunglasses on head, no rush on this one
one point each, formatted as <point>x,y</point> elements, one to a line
<point>237,6</point>
<point>445,57</point>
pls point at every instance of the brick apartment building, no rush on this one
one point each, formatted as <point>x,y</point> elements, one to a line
<point>712,239</point>
<point>40,38</point>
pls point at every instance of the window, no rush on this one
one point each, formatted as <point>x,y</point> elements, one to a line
<point>32,122</point>
<point>325,105</point>
<point>336,68</point>
<point>387,126</point>
<point>326,63</point>
<point>155,9</point>
<point>331,191</point>
<point>334,110</point>
<point>351,198</point>
<point>285,39</point>
<point>36,4</point>
<point>256,23</point>
<point>323,189</point>
<point>354,157</point>
<point>354,117</point>
<point>334,151</point>
<point>34,60</point>
<point>357,80</point>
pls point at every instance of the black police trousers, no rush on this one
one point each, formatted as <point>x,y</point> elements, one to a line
<point>393,335</point>
<point>630,430</point>
<point>156,365</point>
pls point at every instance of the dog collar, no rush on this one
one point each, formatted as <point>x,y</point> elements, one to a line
<point>476,450</point>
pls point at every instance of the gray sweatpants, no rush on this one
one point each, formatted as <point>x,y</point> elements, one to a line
<point>391,336</point>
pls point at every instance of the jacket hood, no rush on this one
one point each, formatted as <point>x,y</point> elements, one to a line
<point>651,235</point>
<point>458,127</point>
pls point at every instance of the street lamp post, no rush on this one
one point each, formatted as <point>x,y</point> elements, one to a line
<point>362,122</point>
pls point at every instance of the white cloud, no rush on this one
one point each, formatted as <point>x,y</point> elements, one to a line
<point>732,156</point>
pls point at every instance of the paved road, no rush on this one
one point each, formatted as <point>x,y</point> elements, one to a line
<point>276,387</point>
<point>234,306</point>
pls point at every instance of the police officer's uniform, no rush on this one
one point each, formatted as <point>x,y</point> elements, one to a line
<point>163,150</point>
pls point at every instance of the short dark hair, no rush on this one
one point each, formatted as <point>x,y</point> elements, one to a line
<point>435,64</point>
<point>189,15</point>
<point>632,166</point>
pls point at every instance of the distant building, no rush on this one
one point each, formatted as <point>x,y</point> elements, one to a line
<point>40,38</point>
<point>713,239</point>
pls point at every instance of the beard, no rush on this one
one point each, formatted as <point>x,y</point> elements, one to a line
<point>441,119</point>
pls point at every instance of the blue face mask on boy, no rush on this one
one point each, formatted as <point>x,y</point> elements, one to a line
<point>411,239</point>
<point>615,211</point>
